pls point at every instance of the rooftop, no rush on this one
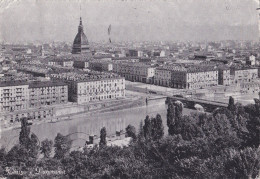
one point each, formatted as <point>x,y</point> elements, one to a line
<point>39,84</point>
<point>188,68</point>
<point>85,77</point>
<point>13,83</point>
<point>32,84</point>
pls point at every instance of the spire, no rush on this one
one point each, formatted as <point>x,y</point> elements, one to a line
<point>80,20</point>
<point>80,28</point>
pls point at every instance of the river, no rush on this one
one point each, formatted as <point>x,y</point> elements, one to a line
<point>91,124</point>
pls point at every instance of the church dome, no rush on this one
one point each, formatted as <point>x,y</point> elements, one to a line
<point>80,44</point>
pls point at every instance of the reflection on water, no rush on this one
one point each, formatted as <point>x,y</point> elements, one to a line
<point>81,127</point>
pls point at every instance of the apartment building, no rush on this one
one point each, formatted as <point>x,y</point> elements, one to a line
<point>30,99</point>
<point>135,71</point>
<point>243,74</point>
<point>101,65</point>
<point>194,77</point>
<point>14,96</point>
<point>224,76</point>
<point>47,93</point>
<point>85,88</point>
<point>163,76</point>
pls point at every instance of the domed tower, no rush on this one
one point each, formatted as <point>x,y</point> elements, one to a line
<point>80,44</point>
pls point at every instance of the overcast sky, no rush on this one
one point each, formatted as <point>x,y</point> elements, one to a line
<point>131,20</point>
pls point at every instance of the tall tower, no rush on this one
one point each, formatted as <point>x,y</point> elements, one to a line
<point>42,51</point>
<point>80,44</point>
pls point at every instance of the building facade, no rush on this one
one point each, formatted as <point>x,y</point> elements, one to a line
<point>163,77</point>
<point>30,99</point>
<point>239,75</point>
<point>14,96</point>
<point>101,65</point>
<point>61,62</point>
<point>194,78</point>
<point>47,93</point>
<point>224,76</point>
<point>81,64</point>
<point>135,71</point>
<point>84,88</point>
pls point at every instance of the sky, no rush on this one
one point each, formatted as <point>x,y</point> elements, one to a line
<point>131,20</point>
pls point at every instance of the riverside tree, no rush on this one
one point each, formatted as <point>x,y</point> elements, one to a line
<point>131,132</point>
<point>103,135</point>
<point>62,145</point>
<point>157,127</point>
<point>231,104</point>
<point>24,137</point>
<point>170,117</point>
<point>147,128</point>
<point>46,147</point>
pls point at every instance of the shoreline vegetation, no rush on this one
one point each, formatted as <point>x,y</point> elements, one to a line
<point>222,144</point>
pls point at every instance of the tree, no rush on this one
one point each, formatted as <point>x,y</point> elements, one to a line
<point>34,146</point>
<point>223,110</point>
<point>231,104</point>
<point>242,164</point>
<point>170,117</point>
<point>2,160</point>
<point>141,132</point>
<point>130,132</point>
<point>62,145</point>
<point>257,106</point>
<point>103,135</point>
<point>19,156</point>
<point>178,110</point>
<point>253,123</point>
<point>147,128</point>
<point>46,147</point>
<point>157,127</point>
<point>24,137</point>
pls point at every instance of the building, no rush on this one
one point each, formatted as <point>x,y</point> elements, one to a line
<point>61,62</point>
<point>194,77</point>
<point>84,88</point>
<point>133,53</point>
<point>163,76</point>
<point>224,76</point>
<point>81,64</point>
<point>100,65</point>
<point>251,60</point>
<point>14,96</point>
<point>243,74</point>
<point>30,99</point>
<point>81,44</point>
<point>135,71</point>
<point>47,93</point>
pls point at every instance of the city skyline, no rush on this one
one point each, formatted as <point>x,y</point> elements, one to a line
<point>200,20</point>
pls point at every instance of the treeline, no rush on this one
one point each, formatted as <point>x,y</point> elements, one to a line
<point>224,144</point>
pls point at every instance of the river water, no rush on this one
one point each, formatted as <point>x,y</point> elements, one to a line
<point>91,124</point>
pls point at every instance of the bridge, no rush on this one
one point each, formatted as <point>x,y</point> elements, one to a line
<point>209,106</point>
